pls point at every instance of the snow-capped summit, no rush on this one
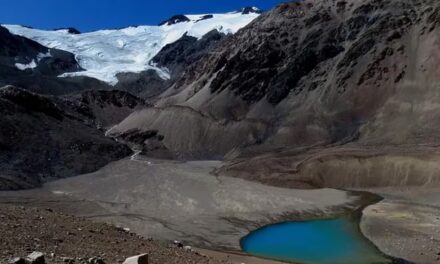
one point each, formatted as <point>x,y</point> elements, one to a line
<point>70,30</point>
<point>105,53</point>
<point>249,10</point>
<point>174,20</point>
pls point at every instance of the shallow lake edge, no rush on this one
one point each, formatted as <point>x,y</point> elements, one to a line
<point>352,215</point>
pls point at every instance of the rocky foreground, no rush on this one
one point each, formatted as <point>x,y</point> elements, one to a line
<point>66,239</point>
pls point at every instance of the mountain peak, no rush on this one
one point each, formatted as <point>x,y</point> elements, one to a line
<point>250,10</point>
<point>69,30</point>
<point>174,20</point>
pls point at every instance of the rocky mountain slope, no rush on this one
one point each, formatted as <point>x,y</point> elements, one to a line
<point>43,138</point>
<point>312,74</point>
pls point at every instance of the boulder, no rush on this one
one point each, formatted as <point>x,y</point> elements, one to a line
<point>68,260</point>
<point>35,258</point>
<point>178,243</point>
<point>187,248</point>
<point>140,259</point>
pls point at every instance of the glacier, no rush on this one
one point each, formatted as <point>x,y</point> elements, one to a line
<point>105,53</point>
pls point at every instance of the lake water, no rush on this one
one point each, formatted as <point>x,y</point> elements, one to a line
<point>328,241</point>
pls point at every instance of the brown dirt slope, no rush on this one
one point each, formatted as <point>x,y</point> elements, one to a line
<point>24,230</point>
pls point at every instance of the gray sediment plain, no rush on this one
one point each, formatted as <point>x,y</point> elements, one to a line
<point>181,201</point>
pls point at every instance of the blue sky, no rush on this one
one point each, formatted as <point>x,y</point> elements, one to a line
<point>88,15</point>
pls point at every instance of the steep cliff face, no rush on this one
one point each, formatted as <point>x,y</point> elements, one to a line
<point>325,72</point>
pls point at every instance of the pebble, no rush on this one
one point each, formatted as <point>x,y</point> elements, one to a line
<point>17,261</point>
<point>140,259</point>
<point>36,258</point>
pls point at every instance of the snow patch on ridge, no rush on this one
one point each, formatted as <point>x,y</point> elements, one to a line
<point>105,53</point>
<point>33,64</point>
<point>23,67</point>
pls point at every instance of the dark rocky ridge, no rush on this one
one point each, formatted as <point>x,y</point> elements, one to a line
<point>175,20</point>
<point>41,140</point>
<point>187,50</point>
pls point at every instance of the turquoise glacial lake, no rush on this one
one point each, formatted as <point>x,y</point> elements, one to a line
<point>330,241</point>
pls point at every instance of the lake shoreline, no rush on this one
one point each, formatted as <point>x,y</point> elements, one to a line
<point>353,216</point>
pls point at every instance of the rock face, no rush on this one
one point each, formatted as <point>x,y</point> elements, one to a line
<point>41,140</point>
<point>186,51</point>
<point>101,108</point>
<point>319,73</point>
